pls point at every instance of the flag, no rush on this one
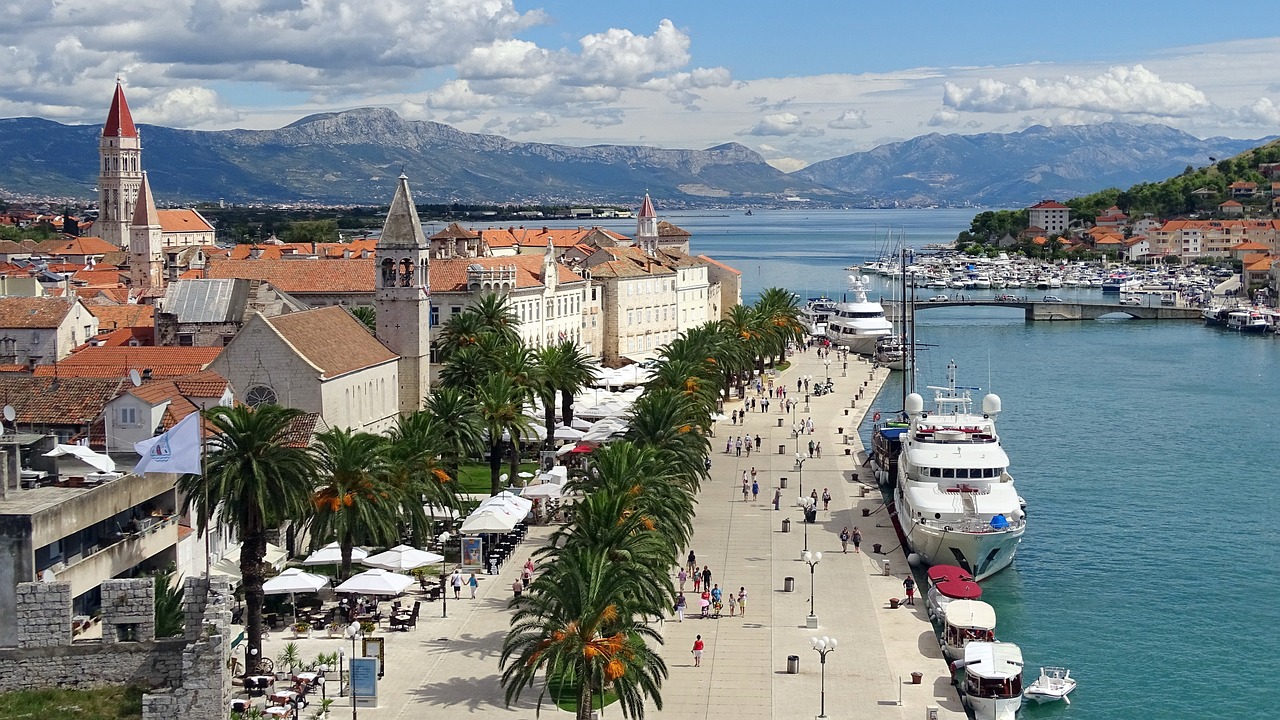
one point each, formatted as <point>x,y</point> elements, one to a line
<point>176,451</point>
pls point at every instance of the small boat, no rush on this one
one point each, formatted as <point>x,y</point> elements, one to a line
<point>966,621</point>
<point>1054,683</point>
<point>944,592</point>
<point>992,682</point>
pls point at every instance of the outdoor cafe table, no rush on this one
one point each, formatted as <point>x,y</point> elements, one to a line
<point>307,677</point>
<point>283,697</point>
<point>278,711</point>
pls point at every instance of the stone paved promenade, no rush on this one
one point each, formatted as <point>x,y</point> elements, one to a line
<point>448,667</point>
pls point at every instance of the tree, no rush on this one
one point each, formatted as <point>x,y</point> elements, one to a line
<point>69,224</point>
<point>366,315</point>
<point>499,403</point>
<point>496,316</point>
<point>457,426</point>
<point>353,504</point>
<point>255,477</point>
<point>565,368</point>
<point>170,621</point>
<point>311,231</point>
<point>416,445</point>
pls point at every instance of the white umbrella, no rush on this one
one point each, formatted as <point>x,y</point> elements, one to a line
<point>376,582</point>
<point>331,554</point>
<point>402,557</point>
<point>550,491</point>
<point>228,565</point>
<point>524,474</point>
<point>490,520</point>
<point>580,424</point>
<point>568,433</point>
<point>291,581</point>
<point>440,512</point>
<point>84,454</point>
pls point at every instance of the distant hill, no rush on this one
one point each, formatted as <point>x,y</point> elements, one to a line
<point>1018,169</point>
<point>353,156</point>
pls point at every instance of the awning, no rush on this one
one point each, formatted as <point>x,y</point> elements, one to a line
<point>402,557</point>
<point>376,582</point>
<point>85,455</point>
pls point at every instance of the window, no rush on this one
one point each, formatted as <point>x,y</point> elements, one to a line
<point>435,316</point>
<point>128,416</point>
<point>260,395</point>
<point>226,340</point>
<point>186,340</point>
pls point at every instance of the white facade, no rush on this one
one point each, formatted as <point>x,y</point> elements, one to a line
<point>1052,216</point>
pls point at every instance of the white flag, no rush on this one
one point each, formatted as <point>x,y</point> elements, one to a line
<point>176,451</point>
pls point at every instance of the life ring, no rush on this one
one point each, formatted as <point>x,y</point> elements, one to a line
<point>876,416</point>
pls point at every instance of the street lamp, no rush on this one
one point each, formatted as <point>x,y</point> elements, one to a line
<point>807,505</point>
<point>800,466</point>
<point>827,362</point>
<point>342,664</point>
<point>353,633</point>
<point>812,560</point>
<point>324,668</point>
<point>823,645</point>
<point>443,539</point>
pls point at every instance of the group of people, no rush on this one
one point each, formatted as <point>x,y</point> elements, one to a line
<point>711,598</point>
<point>736,444</point>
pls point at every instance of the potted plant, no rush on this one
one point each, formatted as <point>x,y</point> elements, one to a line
<point>289,658</point>
<point>301,629</point>
<point>335,629</point>
<point>368,626</point>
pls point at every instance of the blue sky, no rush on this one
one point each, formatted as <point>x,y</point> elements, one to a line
<point>798,81</point>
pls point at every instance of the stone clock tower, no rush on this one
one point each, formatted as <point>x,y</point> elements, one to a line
<point>402,300</point>
<point>119,172</point>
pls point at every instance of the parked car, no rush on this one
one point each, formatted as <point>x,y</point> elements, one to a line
<point>1131,300</point>
<point>939,298</point>
<point>1052,298</point>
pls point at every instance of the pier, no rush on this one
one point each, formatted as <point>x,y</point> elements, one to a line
<point>1040,311</point>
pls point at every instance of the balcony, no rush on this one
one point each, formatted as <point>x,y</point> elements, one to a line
<point>105,562</point>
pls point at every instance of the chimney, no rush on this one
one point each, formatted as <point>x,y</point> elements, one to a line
<point>146,374</point>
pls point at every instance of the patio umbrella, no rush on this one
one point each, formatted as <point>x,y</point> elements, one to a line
<point>331,554</point>
<point>402,557</point>
<point>567,433</point>
<point>291,581</point>
<point>97,460</point>
<point>550,491</point>
<point>228,565</point>
<point>580,424</point>
<point>376,582</point>
<point>490,520</point>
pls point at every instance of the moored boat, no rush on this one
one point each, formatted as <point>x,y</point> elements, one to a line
<point>860,324</point>
<point>992,682</point>
<point>1054,683</point>
<point>966,621</point>
<point>1246,321</point>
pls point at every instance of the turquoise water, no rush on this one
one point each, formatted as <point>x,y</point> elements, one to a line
<point>1146,454</point>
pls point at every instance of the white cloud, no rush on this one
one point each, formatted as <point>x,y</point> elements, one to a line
<point>1264,112</point>
<point>781,124</point>
<point>530,123</point>
<point>1120,90</point>
<point>850,120</point>
<point>787,164</point>
<point>186,107</point>
<point>943,117</point>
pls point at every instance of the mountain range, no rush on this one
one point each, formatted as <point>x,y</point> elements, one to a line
<point>352,157</point>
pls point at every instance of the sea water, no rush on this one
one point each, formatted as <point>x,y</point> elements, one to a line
<point>1145,451</point>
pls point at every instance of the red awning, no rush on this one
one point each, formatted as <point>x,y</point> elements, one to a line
<point>940,573</point>
<point>959,589</point>
<point>583,448</point>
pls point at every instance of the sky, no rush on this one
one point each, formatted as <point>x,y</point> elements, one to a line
<point>797,81</point>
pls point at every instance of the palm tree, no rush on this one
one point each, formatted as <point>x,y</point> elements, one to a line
<point>459,331</point>
<point>416,446</point>
<point>354,504</point>
<point>499,404</point>
<point>496,316</point>
<point>254,478</point>
<point>562,367</point>
<point>466,368</point>
<point>366,315</point>
<point>457,426</point>
<point>575,626</point>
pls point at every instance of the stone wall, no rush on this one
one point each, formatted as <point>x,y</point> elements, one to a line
<point>128,610</point>
<point>43,614</point>
<point>204,689</point>
<point>93,664</point>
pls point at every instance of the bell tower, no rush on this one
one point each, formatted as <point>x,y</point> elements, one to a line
<point>647,227</point>
<point>146,256</point>
<point>119,172</point>
<point>403,301</point>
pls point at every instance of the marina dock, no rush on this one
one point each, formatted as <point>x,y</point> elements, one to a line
<point>1039,311</point>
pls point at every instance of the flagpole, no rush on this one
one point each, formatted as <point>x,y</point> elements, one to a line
<point>204,474</point>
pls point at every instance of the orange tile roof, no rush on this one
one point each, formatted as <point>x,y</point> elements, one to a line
<point>451,275</point>
<point>123,337</point>
<point>301,276</point>
<point>204,384</point>
<point>537,237</point>
<point>58,401</point>
<point>88,245</point>
<point>274,251</point>
<point>180,221</point>
<point>1048,205</point>
<point>119,119</point>
<point>111,317</point>
<point>116,362</point>
<point>1249,245</point>
<point>332,340</point>
<point>666,229</point>
<point>33,312</point>
<point>454,231</point>
<point>1230,203</point>
<point>719,264</point>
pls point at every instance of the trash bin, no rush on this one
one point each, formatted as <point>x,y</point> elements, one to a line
<point>916,677</point>
<point>793,664</point>
<point>875,548</point>
<point>782,449</point>
<point>782,483</point>
<point>789,584</point>
<point>786,525</point>
<point>779,422</point>
<point>866,512</point>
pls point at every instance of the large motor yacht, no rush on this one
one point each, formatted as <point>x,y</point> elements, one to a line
<point>813,316</point>
<point>955,501</point>
<point>860,324</point>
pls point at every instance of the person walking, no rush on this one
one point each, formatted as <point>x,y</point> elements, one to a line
<point>733,604</point>
<point>517,588</point>
<point>698,647</point>
<point>755,490</point>
<point>826,499</point>
<point>818,448</point>
<point>682,576</point>
<point>728,445</point>
<point>697,579</point>
<point>706,576</point>
<point>810,448</point>
<point>742,601</point>
<point>777,498</point>
<point>474,584</point>
<point>737,446</point>
<point>456,581</point>
<point>910,586</point>
<point>692,562</point>
<point>857,539</point>
<point>844,540</point>
<point>746,489</point>
<point>748,446</point>
<point>758,441</point>
<point>681,603</point>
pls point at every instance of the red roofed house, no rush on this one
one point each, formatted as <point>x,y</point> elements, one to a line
<point>77,251</point>
<point>322,361</point>
<point>1053,216</point>
<point>1231,208</point>
<point>36,330</point>
<point>185,227</point>
<point>1243,189</point>
<point>139,412</point>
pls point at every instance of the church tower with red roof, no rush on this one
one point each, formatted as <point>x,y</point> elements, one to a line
<point>119,172</point>
<point>146,258</point>
<point>647,227</point>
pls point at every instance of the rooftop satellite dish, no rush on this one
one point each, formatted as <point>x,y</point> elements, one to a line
<point>135,378</point>
<point>9,413</point>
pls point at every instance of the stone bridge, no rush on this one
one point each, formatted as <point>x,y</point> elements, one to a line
<point>1050,311</point>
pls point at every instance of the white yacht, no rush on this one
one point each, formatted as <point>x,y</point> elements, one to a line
<point>992,679</point>
<point>813,316</point>
<point>860,324</point>
<point>955,501</point>
<point>966,621</point>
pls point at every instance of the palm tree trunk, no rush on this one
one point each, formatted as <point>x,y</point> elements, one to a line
<point>344,568</point>
<point>515,459</point>
<point>566,406</point>
<point>495,467</point>
<point>584,695</point>
<point>549,410</point>
<point>253,550</point>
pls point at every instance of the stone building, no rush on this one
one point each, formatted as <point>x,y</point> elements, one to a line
<point>209,313</point>
<point>35,330</point>
<point>403,299</point>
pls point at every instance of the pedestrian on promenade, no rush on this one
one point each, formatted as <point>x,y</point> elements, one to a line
<point>910,586</point>
<point>818,448</point>
<point>748,446</point>
<point>680,606</point>
<point>857,539</point>
<point>810,448</point>
<point>744,477</point>
<point>753,473</point>
<point>728,445</point>
<point>755,490</point>
<point>742,601</point>
<point>474,584</point>
<point>697,579</point>
<point>745,489</point>
<point>693,562</point>
<point>826,499</point>
<point>844,540</point>
<point>706,576</point>
<point>733,604</point>
<point>517,587</point>
<point>682,576</point>
<point>698,647</point>
<point>456,581</point>
<point>758,441</point>
<point>737,446</point>
<point>716,594</point>
<point>704,603</point>
<point>814,497</point>
<point>777,498</point>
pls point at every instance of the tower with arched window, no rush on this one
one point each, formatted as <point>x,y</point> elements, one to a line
<point>402,299</point>
<point>119,172</point>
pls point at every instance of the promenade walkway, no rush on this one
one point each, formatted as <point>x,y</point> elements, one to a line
<point>448,667</point>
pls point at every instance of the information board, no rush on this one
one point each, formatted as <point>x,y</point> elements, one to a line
<point>364,681</point>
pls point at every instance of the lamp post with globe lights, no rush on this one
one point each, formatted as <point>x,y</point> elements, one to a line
<point>812,560</point>
<point>353,633</point>
<point>823,645</point>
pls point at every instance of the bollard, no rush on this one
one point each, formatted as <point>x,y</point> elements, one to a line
<point>779,422</point>
<point>866,512</point>
<point>846,411</point>
<point>893,603</point>
<point>916,677</point>
<point>875,548</point>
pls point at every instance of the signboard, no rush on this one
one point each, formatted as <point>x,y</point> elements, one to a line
<point>373,648</point>
<point>473,552</point>
<point>364,681</point>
